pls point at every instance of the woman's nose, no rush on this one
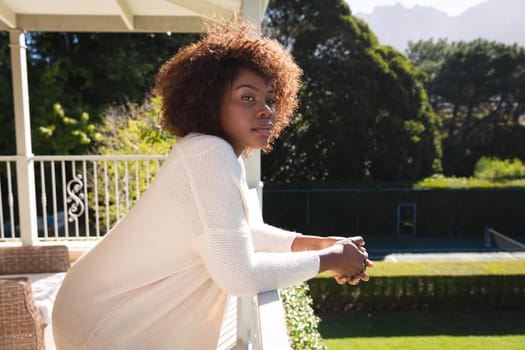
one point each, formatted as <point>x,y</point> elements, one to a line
<point>266,111</point>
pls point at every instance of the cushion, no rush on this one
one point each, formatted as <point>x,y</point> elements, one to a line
<point>45,287</point>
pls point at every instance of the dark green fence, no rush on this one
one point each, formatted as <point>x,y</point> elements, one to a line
<point>432,212</point>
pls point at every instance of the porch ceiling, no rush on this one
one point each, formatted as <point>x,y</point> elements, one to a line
<point>117,15</point>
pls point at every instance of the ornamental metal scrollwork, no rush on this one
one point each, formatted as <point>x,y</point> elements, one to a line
<point>74,198</point>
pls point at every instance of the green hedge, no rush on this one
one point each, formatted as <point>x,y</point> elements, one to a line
<point>301,321</point>
<point>421,292</point>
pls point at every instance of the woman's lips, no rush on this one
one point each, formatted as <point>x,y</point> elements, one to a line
<point>263,131</point>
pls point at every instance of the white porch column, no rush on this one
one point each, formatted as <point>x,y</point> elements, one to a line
<point>254,12</point>
<point>25,172</point>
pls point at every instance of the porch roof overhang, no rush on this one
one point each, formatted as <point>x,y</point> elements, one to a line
<point>121,15</point>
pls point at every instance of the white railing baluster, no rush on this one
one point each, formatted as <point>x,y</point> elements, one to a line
<point>11,201</point>
<point>53,189</point>
<point>126,184</point>
<point>71,199</point>
<point>157,166</point>
<point>117,195</point>
<point>106,194</point>
<point>137,181</point>
<point>2,233</point>
<point>64,198</point>
<point>95,191</point>
<point>43,199</point>
<point>86,203</point>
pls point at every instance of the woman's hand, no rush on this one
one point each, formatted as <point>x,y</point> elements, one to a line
<point>345,260</point>
<point>307,242</point>
<point>359,242</point>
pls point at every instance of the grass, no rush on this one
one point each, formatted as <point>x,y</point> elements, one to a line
<point>475,330</point>
<point>429,330</point>
<point>449,268</point>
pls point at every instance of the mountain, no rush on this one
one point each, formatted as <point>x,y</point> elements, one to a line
<point>494,20</point>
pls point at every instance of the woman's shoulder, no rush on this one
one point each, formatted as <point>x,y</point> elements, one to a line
<point>195,145</point>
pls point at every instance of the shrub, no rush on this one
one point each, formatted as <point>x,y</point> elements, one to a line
<point>495,169</point>
<point>476,292</point>
<point>301,322</point>
<point>128,130</point>
<point>458,285</point>
<point>440,181</point>
<point>135,129</point>
<point>67,135</point>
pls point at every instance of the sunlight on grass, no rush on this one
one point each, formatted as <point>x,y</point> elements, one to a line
<point>506,342</point>
<point>497,267</point>
<point>426,330</point>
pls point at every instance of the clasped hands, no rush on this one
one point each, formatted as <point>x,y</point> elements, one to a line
<point>348,259</point>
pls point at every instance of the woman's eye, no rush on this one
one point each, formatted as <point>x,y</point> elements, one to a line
<point>248,98</point>
<point>270,102</point>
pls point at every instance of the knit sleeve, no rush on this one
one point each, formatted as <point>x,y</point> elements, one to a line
<point>266,238</point>
<point>225,244</point>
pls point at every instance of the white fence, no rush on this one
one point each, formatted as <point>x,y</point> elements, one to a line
<point>78,197</point>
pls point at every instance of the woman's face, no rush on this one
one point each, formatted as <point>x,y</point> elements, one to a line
<point>247,112</point>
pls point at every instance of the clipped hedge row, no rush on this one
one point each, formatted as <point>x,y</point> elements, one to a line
<point>464,292</point>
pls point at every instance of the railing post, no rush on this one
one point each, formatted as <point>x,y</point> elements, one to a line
<point>488,237</point>
<point>25,172</point>
<point>245,322</point>
<point>271,323</point>
<point>253,11</point>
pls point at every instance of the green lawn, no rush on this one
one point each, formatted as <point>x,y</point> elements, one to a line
<point>429,330</point>
<point>447,268</point>
<point>426,330</point>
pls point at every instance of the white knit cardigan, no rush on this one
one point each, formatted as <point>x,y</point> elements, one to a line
<point>160,279</point>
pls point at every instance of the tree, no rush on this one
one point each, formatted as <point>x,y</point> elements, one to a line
<point>363,114</point>
<point>84,72</point>
<point>76,134</point>
<point>7,133</point>
<point>478,90</point>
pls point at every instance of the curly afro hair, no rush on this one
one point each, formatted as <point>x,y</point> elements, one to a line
<point>193,82</point>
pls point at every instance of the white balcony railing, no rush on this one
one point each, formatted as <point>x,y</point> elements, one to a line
<point>83,197</point>
<point>256,323</point>
<point>78,197</point>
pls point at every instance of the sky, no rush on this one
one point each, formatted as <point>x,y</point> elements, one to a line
<point>451,7</point>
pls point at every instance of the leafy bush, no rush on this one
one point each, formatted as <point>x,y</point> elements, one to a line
<point>301,321</point>
<point>495,169</point>
<point>439,292</point>
<point>135,129</point>
<point>436,286</point>
<point>128,130</point>
<point>488,173</point>
<point>440,181</point>
<point>67,135</point>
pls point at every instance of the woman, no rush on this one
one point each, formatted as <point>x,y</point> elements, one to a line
<point>160,279</point>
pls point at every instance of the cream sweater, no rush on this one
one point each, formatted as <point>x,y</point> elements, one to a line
<point>160,279</point>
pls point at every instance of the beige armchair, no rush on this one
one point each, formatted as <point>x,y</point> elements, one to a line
<point>21,322</point>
